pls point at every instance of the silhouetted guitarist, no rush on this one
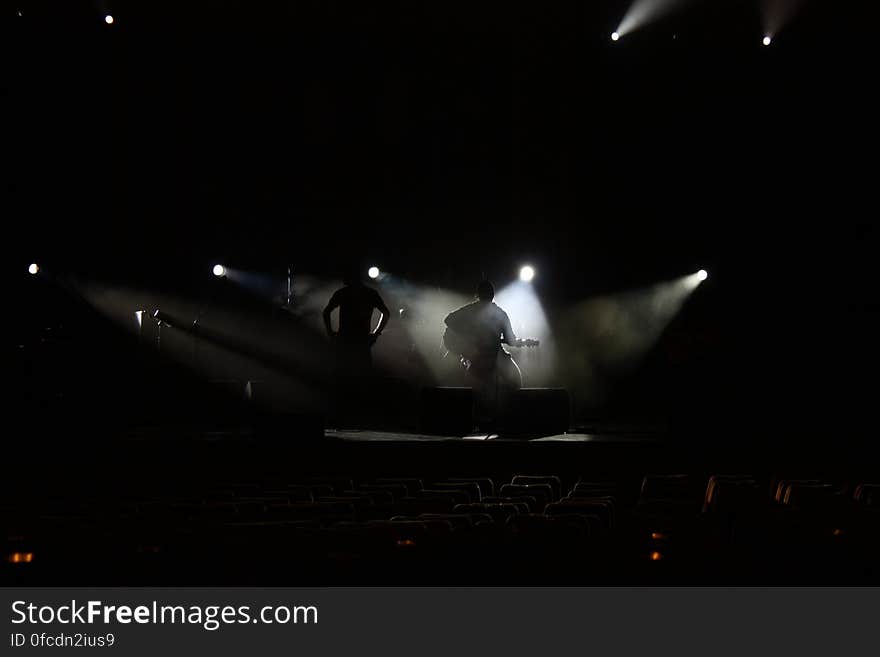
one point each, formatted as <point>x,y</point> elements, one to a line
<point>476,333</point>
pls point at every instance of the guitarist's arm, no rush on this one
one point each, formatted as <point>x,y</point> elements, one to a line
<point>508,337</point>
<point>332,305</point>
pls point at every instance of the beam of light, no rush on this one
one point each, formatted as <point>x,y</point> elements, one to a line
<point>311,294</point>
<point>219,270</point>
<point>108,19</point>
<point>643,12</point>
<point>775,15</point>
<point>527,273</point>
<point>412,344</point>
<point>288,358</point>
<point>373,272</point>
<point>605,338</point>
<point>528,319</point>
<point>34,269</point>
<point>410,348</point>
<point>692,282</point>
<point>262,285</point>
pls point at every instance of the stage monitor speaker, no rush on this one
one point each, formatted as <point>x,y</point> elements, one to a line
<point>538,412</point>
<point>447,411</point>
<point>289,428</point>
<point>228,388</point>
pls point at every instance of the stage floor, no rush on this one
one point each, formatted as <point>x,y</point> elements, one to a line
<point>350,435</point>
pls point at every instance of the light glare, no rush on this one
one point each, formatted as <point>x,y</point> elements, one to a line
<point>702,275</point>
<point>527,273</point>
<point>219,270</point>
<point>108,19</point>
<point>34,268</point>
<point>373,272</point>
<point>615,36</point>
<point>767,41</point>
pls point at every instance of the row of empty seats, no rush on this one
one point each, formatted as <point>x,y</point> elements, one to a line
<point>249,531</point>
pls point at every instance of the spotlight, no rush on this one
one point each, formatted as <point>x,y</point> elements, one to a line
<point>34,268</point>
<point>615,36</point>
<point>373,272</point>
<point>702,275</point>
<point>108,19</point>
<point>767,40</point>
<point>527,273</point>
<point>219,270</point>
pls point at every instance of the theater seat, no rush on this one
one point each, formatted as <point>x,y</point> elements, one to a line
<point>357,501</point>
<point>867,494</point>
<point>541,494</point>
<point>412,485</point>
<point>521,504</point>
<point>458,521</point>
<point>585,488</point>
<point>457,495</point>
<point>537,526</point>
<point>376,496</point>
<point>601,509</point>
<point>472,489</point>
<point>394,491</point>
<point>426,504</point>
<point>810,496</point>
<point>665,487</point>
<point>733,493</point>
<point>487,486</point>
<point>582,525</point>
<point>498,513</point>
<point>336,484</point>
<point>550,480</point>
<point>432,526</point>
<point>781,487</point>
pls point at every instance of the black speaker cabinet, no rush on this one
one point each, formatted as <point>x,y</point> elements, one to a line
<point>289,428</point>
<point>537,412</point>
<point>447,411</point>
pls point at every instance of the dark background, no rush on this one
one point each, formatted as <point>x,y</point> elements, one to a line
<point>446,139</point>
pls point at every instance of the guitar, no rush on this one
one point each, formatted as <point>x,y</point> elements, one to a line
<point>467,351</point>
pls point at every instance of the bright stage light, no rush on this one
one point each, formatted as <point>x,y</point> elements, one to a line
<point>776,16</point>
<point>108,19</point>
<point>373,272</point>
<point>644,12</point>
<point>34,268</point>
<point>615,36</point>
<point>527,273</point>
<point>702,275</point>
<point>219,270</point>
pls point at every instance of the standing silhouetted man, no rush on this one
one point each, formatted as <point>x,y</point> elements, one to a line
<point>355,335</point>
